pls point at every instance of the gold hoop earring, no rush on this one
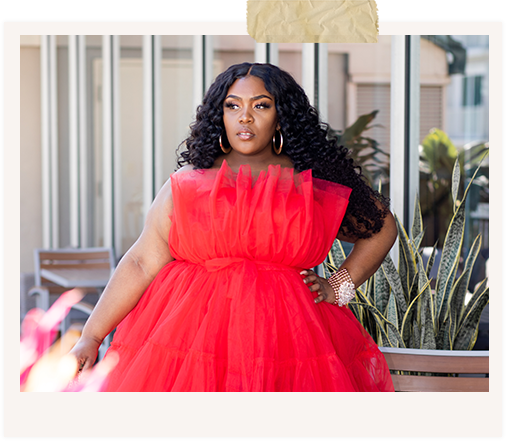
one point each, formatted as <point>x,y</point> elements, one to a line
<point>277,150</point>
<point>224,149</point>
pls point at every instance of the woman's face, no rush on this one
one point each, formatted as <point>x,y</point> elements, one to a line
<point>250,117</point>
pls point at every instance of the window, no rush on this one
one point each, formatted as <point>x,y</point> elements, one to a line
<point>472,91</point>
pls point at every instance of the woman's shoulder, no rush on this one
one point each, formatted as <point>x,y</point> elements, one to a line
<point>184,168</point>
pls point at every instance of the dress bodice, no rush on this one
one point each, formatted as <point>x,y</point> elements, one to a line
<point>277,216</point>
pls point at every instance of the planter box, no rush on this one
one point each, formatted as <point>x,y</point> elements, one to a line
<point>456,371</point>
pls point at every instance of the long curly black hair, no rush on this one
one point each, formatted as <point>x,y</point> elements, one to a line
<point>307,142</point>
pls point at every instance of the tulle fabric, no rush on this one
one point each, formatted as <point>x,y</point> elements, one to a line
<point>231,312</point>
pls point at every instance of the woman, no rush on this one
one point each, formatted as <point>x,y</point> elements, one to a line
<point>229,302</point>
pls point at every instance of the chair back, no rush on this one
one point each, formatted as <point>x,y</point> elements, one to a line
<point>79,258</point>
<point>463,371</point>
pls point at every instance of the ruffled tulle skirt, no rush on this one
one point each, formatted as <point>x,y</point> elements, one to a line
<point>240,325</point>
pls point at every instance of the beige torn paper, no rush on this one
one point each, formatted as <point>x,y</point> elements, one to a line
<point>308,21</point>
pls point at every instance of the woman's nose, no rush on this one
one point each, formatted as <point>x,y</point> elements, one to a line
<point>245,116</point>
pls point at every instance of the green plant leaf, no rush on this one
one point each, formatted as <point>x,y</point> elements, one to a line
<point>466,335</point>
<point>441,341</point>
<point>355,311</point>
<point>393,318</point>
<point>417,228</point>
<point>450,256</point>
<point>381,290</point>
<point>427,320</point>
<point>394,281</point>
<point>364,314</point>
<point>432,257</point>
<point>459,295</point>
<point>480,289</point>
<point>413,290</point>
<point>407,320</point>
<point>336,254</point>
<point>380,319</point>
<point>438,151</point>
<point>406,259</point>
<point>459,288</point>
<point>455,184</point>
<point>418,240</point>
<point>427,334</point>
<point>416,335</point>
<point>423,284</point>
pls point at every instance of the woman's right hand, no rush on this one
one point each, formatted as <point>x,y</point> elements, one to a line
<point>85,351</point>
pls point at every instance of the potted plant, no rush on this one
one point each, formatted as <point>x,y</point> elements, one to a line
<point>403,308</point>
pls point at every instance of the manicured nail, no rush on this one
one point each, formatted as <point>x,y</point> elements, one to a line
<point>304,272</point>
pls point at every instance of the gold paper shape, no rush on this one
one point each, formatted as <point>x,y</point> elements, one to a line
<point>308,21</point>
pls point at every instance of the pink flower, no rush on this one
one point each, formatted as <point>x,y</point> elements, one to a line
<point>49,368</point>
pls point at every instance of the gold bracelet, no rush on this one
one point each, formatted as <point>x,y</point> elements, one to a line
<point>343,287</point>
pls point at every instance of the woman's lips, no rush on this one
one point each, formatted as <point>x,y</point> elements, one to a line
<point>245,135</point>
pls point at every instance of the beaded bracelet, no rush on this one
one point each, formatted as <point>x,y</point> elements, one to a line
<point>343,287</point>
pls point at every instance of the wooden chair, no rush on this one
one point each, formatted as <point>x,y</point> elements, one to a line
<point>71,260</point>
<point>468,370</point>
<point>87,268</point>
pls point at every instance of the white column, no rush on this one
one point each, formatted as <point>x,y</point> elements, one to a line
<point>53,123</point>
<point>107,141</point>
<point>397,125</point>
<point>404,129</point>
<point>83,143</point>
<point>116,146</point>
<point>111,144</point>
<point>315,75</point>
<point>208,62</point>
<point>45,142</point>
<point>73,141</point>
<point>148,121</point>
<point>323,86</point>
<point>158,128</point>
<point>414,125</point>
<point>198,70</point>
<point>274,53</point>
<point>261,52</point>
<point>308,71</point>
<point>152,130</point>
<point>202,67</point>
<point>267,53</point>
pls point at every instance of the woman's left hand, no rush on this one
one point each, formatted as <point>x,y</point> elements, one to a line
<point>319,285</point>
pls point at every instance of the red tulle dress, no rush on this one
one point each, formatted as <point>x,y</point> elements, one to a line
<point>231,312</point>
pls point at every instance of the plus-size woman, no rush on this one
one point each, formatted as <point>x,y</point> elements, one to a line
<point>217,293</point>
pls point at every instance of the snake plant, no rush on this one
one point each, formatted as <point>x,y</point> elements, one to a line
<point>402,307</point>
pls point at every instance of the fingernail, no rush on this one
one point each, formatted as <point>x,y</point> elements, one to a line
<point>303,272</point>
<point>316,300</point>
<point>305,281</point>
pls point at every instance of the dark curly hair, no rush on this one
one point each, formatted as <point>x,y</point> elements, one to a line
<point>307,142</point>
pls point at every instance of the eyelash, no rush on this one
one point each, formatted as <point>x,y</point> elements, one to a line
<point>264,104</point>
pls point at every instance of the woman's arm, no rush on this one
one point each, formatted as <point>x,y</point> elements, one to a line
<point>363,261</point>
<point>136,270</point>
<point>368,254</point>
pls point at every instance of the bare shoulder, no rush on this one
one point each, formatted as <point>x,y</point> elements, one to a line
<point>186,167</point>
<point>166,190</point>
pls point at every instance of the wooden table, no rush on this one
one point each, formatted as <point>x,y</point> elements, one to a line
<point>80,278</point>
<point>77,278</point>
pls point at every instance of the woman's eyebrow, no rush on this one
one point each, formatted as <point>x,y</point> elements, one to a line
<point>253,98</point>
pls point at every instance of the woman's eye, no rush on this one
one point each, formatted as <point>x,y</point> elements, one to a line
<point>262,106</point>
<point>231,105</point>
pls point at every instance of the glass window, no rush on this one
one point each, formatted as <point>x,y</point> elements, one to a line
<point>460,130</point>
<point>359,92</point>
<point>231,49</point>
<point>176,97</point>
<point>290,59</point>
